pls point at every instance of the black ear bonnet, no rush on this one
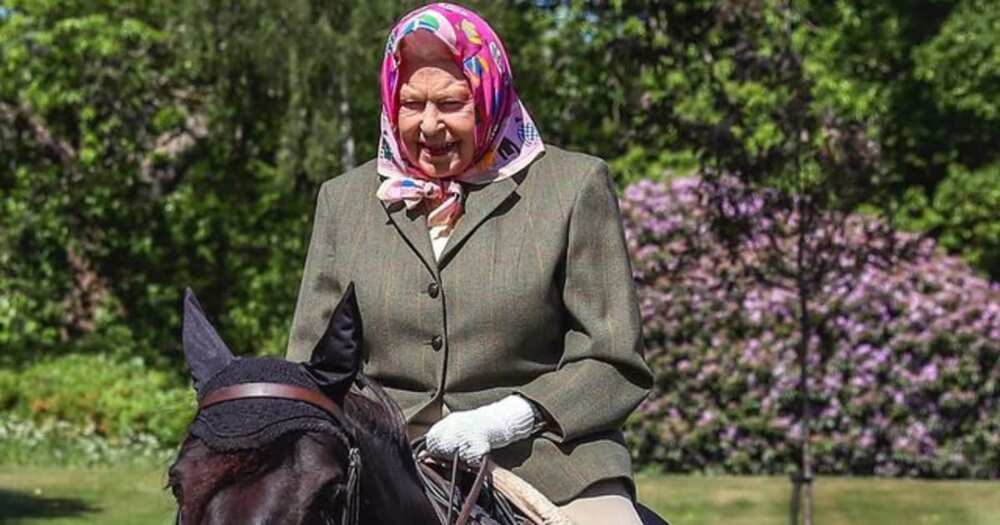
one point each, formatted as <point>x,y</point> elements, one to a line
<point>255,422</point>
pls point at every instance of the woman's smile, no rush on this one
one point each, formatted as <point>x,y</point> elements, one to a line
<point>436,152</point>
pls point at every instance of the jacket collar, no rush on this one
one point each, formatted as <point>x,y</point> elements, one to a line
<point>412,225</point>
<point>480,202</point>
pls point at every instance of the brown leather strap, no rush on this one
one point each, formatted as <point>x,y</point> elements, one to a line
<point>473,495</point>
<point>271,390</point>
<point>429,467</point>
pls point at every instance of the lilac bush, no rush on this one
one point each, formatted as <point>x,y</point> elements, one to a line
<point>905,368</point>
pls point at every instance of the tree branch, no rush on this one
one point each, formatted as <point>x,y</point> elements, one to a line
<point>173,153</point>
<point>61,150</point>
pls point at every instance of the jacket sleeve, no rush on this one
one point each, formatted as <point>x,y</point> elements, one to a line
<point>601,376</point>
<point>319,291</point>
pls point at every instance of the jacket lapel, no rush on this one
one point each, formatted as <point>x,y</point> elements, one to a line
<point>413,227</point>
<point>480,202</point>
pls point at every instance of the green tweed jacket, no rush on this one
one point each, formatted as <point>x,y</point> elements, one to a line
<point>533,294</point>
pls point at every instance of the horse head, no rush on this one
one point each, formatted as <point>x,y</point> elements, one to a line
<point>282,442</point>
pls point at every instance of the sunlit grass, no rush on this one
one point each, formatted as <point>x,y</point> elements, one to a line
<point>699,500</point>
<point>135,496</point>
<point>60,496</point>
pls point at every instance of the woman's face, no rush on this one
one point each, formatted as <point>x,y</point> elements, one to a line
<point>437,114</point>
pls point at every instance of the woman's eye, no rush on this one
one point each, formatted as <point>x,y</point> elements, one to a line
<point>451,105</point>
<point>413,105</point>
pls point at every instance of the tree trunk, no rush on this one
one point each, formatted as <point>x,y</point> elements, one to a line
<point>805,476</point>
<point>793,506</point>
<point>802,490</point>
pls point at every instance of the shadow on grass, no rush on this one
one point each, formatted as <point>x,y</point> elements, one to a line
<point>16,504</point>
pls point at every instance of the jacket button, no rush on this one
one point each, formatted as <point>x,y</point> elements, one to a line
<point>433,290</point>
<point>437,342</point>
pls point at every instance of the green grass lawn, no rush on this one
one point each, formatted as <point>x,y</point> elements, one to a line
<point>696,500</point>
<point>135,496</point>
<point>53,495</point>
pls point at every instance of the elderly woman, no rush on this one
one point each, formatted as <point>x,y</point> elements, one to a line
<point>491,273</point>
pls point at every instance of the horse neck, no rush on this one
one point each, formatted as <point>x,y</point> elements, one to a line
<point>392,492</point>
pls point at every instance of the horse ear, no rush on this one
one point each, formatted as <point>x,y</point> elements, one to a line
<point>336,358</point>
<point>204,350</point>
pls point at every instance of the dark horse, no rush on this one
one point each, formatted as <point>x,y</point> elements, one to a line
<point>285,461</point>
<point>277,442</point>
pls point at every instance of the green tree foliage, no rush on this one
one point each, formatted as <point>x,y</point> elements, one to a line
<point>962,214</point>
<point>85,99</point>
<point>926,77</point>
<point>145,146</point>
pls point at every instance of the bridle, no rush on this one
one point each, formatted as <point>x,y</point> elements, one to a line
<point>352,507</point>
<point>351,512</point>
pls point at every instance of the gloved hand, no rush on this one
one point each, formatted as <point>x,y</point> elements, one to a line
<point>473,433</point>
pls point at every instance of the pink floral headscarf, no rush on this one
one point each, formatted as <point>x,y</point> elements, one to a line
<point>506,137</point>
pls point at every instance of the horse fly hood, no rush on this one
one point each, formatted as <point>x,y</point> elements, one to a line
<point>330,372</point>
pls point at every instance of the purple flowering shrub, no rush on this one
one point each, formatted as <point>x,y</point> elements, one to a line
<point>905,370</point>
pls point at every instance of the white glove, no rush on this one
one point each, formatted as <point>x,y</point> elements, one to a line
<point>473,433</point>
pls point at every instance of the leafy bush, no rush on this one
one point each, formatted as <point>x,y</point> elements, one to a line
<point>962,215</point>
<point>53,442</point>
<point>905,373</point>
<point>113,398</point>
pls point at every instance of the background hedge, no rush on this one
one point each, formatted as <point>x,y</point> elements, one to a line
<point>905,376</point>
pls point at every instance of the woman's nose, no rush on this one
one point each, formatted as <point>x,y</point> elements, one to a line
<point>431,123</point>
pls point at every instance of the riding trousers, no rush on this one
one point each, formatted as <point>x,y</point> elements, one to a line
<point>604,502</point>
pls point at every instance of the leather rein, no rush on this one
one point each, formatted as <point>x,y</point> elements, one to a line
<point>351,512</point>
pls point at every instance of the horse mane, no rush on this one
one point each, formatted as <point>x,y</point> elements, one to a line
<point>380,415</point>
